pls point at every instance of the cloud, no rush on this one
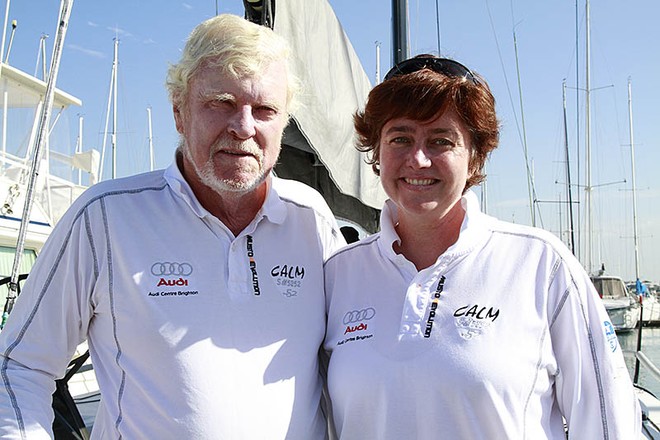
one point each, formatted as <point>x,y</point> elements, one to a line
<point>119,31</point>
<point>187,5</point>
<point>512,203</point>
<point>88,52</point>
<point>92,24</point>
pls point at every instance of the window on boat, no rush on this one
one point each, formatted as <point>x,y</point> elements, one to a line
<point>610,288</point>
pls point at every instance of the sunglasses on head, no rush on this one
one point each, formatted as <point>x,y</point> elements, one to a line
<point>444,66</point>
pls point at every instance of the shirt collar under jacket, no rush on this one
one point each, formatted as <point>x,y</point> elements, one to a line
<point>474,229</point>
<point>273,208</point>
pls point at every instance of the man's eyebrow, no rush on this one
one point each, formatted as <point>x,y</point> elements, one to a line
<point>228,97</point>
<point>211,95</point>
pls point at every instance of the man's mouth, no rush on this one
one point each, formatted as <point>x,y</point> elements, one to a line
<point>236,152</point>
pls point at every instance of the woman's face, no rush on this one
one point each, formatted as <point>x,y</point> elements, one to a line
<point>424,165</point>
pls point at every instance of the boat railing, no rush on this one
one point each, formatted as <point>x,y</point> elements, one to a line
<point>648,364</point>
<point>86,161</point>
<point>60,183</point>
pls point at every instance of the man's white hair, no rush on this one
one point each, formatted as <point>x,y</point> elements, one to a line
<point>237,47</point>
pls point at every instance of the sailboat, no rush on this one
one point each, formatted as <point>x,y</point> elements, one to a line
<point>622,307</point>
<point>650,312</point>
<point>620,304</point>
<point>60,170</point>
<point>22,98</point>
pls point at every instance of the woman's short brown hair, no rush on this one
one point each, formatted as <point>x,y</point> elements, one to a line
<point>424,95</point>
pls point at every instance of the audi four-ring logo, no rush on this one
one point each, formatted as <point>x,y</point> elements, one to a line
<point>171,269</point>
<point>359,315</point>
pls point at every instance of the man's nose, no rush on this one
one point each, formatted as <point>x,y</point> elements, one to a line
<point>242,123</point>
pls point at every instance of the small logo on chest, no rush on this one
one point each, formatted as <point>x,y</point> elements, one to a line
<point>171,274</point>
<point>357,324</point>
<point>289,278</point>
<point>473,320</point>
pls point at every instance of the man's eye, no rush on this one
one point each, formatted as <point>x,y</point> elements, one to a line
<point>266,112</point>
<point>221,103</point>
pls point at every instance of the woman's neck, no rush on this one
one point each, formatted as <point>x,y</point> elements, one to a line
<point>424,240</point>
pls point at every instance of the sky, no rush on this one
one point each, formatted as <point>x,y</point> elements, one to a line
<point>525,75</point>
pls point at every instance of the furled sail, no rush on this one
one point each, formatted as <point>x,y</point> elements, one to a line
<point>321,139</point>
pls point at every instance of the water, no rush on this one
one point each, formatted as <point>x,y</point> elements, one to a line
<point>650,347</point>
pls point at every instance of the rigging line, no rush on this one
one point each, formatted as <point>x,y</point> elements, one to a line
<point>530,181</point>
<point>531,187</point>
<point>513,107</point>
<point>506,78</point>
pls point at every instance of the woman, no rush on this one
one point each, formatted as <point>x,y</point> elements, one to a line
<point>450,323</point>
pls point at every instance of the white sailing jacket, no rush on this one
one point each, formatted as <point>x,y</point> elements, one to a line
<point>500,339</point>
<point>193,333</point>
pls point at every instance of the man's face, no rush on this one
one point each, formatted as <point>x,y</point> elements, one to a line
<point>231,129</point>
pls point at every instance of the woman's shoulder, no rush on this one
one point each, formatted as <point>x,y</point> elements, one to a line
<point>355,251</point>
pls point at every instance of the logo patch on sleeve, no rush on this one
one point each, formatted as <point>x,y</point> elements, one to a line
<point>610,335</point>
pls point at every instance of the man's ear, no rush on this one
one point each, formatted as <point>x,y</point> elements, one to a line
<point>178,118</point>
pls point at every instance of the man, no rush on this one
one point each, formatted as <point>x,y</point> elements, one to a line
<point>198,288</point>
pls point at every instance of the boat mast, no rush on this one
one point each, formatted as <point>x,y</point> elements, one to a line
<point>400,30</point>
<point>377,43</point>
<point>41,57</point>
<point>4,34</point>
<point>14,24</point>
<point>112,103</point>
<point>44,128</point>
<point>151,141</point>
<point>588,188</point>
<point>79,145</point>
<point>634,187</point>
<point>113,136</point>
<point>437,27</point>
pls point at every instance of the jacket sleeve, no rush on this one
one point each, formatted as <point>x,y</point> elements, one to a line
<point>593,385</point>
<point>329,235</point>
<point>49,320</point>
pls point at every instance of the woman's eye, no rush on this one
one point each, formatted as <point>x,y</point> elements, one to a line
<point>442,141</point>
<point>400,140</point>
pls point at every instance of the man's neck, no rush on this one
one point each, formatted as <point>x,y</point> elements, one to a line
<point>234,209</point>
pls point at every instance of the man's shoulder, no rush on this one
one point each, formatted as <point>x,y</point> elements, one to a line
<point>126,185</point>
<point>300,195</point>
